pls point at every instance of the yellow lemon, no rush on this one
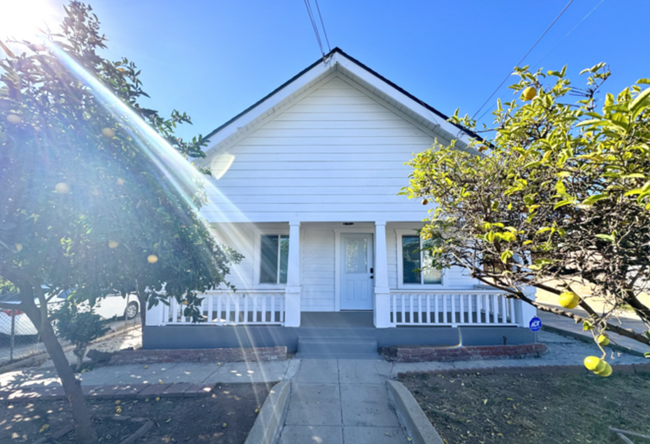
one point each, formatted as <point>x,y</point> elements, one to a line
<point>257,410</point>
<point>146,366</point>
<point>184,302</point>
<point>108,132</point>
<point>112,244</point>
<point>603,340</point>
<point>569,299</point>
<point>19,247</point>
<point>530,93</point>
<point>117,402</point>
<point>157,399</point>
<point>594,363</point>
<point>606,371</point>
<point>224,425</point>
<point>152,258</point>
<point>62,188</point>
<point>15,119</point>
<point>120,181</point>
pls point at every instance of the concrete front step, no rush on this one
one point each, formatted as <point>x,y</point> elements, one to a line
<point>333,347</point>
<point>368,356</point>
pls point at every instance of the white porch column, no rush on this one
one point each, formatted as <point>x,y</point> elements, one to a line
<point>382,292</point>
<point>292,296</point>
<point>155,315</point>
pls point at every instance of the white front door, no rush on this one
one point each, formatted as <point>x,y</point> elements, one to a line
<point>356,271</point>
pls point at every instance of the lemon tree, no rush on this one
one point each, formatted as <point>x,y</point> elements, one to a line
<point>559,196</point>
<point>83,205</point>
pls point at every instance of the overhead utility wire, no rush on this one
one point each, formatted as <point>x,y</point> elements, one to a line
<point>313,24</point>
<point>329,48</point>
<point>522,59</point>
<point>567,35</point>
<point>555,47</point>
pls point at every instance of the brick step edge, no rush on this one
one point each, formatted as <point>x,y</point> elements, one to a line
<point>117,391</point>
<point>257,354</point>
<point>466,353</point>
<point>639,369</point>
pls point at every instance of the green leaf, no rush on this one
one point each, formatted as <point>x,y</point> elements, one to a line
<point>634,176</point>
<point>639,101</point>
<point>562,203</point>
<point>646,355</point>
<point>606,237</point>
<point>505,256</point>
<point>643,81</point>
<point>595,198</point>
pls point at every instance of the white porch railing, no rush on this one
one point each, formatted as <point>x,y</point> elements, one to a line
<point>451,307</point>
<point>222,307</point>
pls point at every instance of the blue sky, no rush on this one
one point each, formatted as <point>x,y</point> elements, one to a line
<point>213,59</point>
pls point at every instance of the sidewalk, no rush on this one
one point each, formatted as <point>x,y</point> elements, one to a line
<point>622,318</point>
<point>561,351</point>
<point>559,324</point>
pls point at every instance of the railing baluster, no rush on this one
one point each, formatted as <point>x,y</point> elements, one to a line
<point>210,297</point>
<point>403,311</point>
<point>174,310</point>
<point>272,307</point>
<point>394,300</point>
<point>435,309</point>
<point>462,309</point>
<point>428,296</point>
<point>512,311</point>
<point>503,309</point>
<point>264,308</point>
<point>444,309</point>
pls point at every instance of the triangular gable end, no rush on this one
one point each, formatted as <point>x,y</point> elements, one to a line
<point>336,63</point>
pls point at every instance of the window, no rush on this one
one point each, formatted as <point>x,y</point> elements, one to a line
<point>274,258</point>
<point>416,263</point>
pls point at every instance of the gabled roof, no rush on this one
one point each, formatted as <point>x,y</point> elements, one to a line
<point>336,59</point>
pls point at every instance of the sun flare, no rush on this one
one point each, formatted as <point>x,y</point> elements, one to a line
<point>21,19</point>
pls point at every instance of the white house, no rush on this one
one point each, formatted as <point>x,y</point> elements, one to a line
<point>305,185</point>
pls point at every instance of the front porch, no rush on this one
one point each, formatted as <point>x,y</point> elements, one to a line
<point>331,328</point>
<point>334,280</point>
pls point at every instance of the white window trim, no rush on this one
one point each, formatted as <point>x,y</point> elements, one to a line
<point>399,233</point>
<point>257,258</point>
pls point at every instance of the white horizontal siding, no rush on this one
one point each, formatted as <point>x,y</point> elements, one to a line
<point>317,267</point>
<point>336,154</point>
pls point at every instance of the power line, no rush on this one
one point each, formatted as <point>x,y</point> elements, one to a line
<point>522,59</point>
<point>313,25</point>
<point>555,47</point>
<point>567,35</point>
<point>329,48</point>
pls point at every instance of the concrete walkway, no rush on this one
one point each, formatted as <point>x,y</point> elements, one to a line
<point>335,401</point>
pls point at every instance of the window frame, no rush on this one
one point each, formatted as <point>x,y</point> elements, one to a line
<point>400,264</point>
<point>257,266</point>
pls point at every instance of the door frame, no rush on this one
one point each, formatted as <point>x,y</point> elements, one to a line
<point>337,260</point>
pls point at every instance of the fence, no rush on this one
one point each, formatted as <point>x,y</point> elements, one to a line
<point>19,338</point>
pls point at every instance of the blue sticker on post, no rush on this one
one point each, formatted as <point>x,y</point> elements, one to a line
<point>535,324</point>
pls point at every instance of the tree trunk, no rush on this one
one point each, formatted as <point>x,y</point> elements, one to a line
<point>71,385</point>
<point>142,300</point>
